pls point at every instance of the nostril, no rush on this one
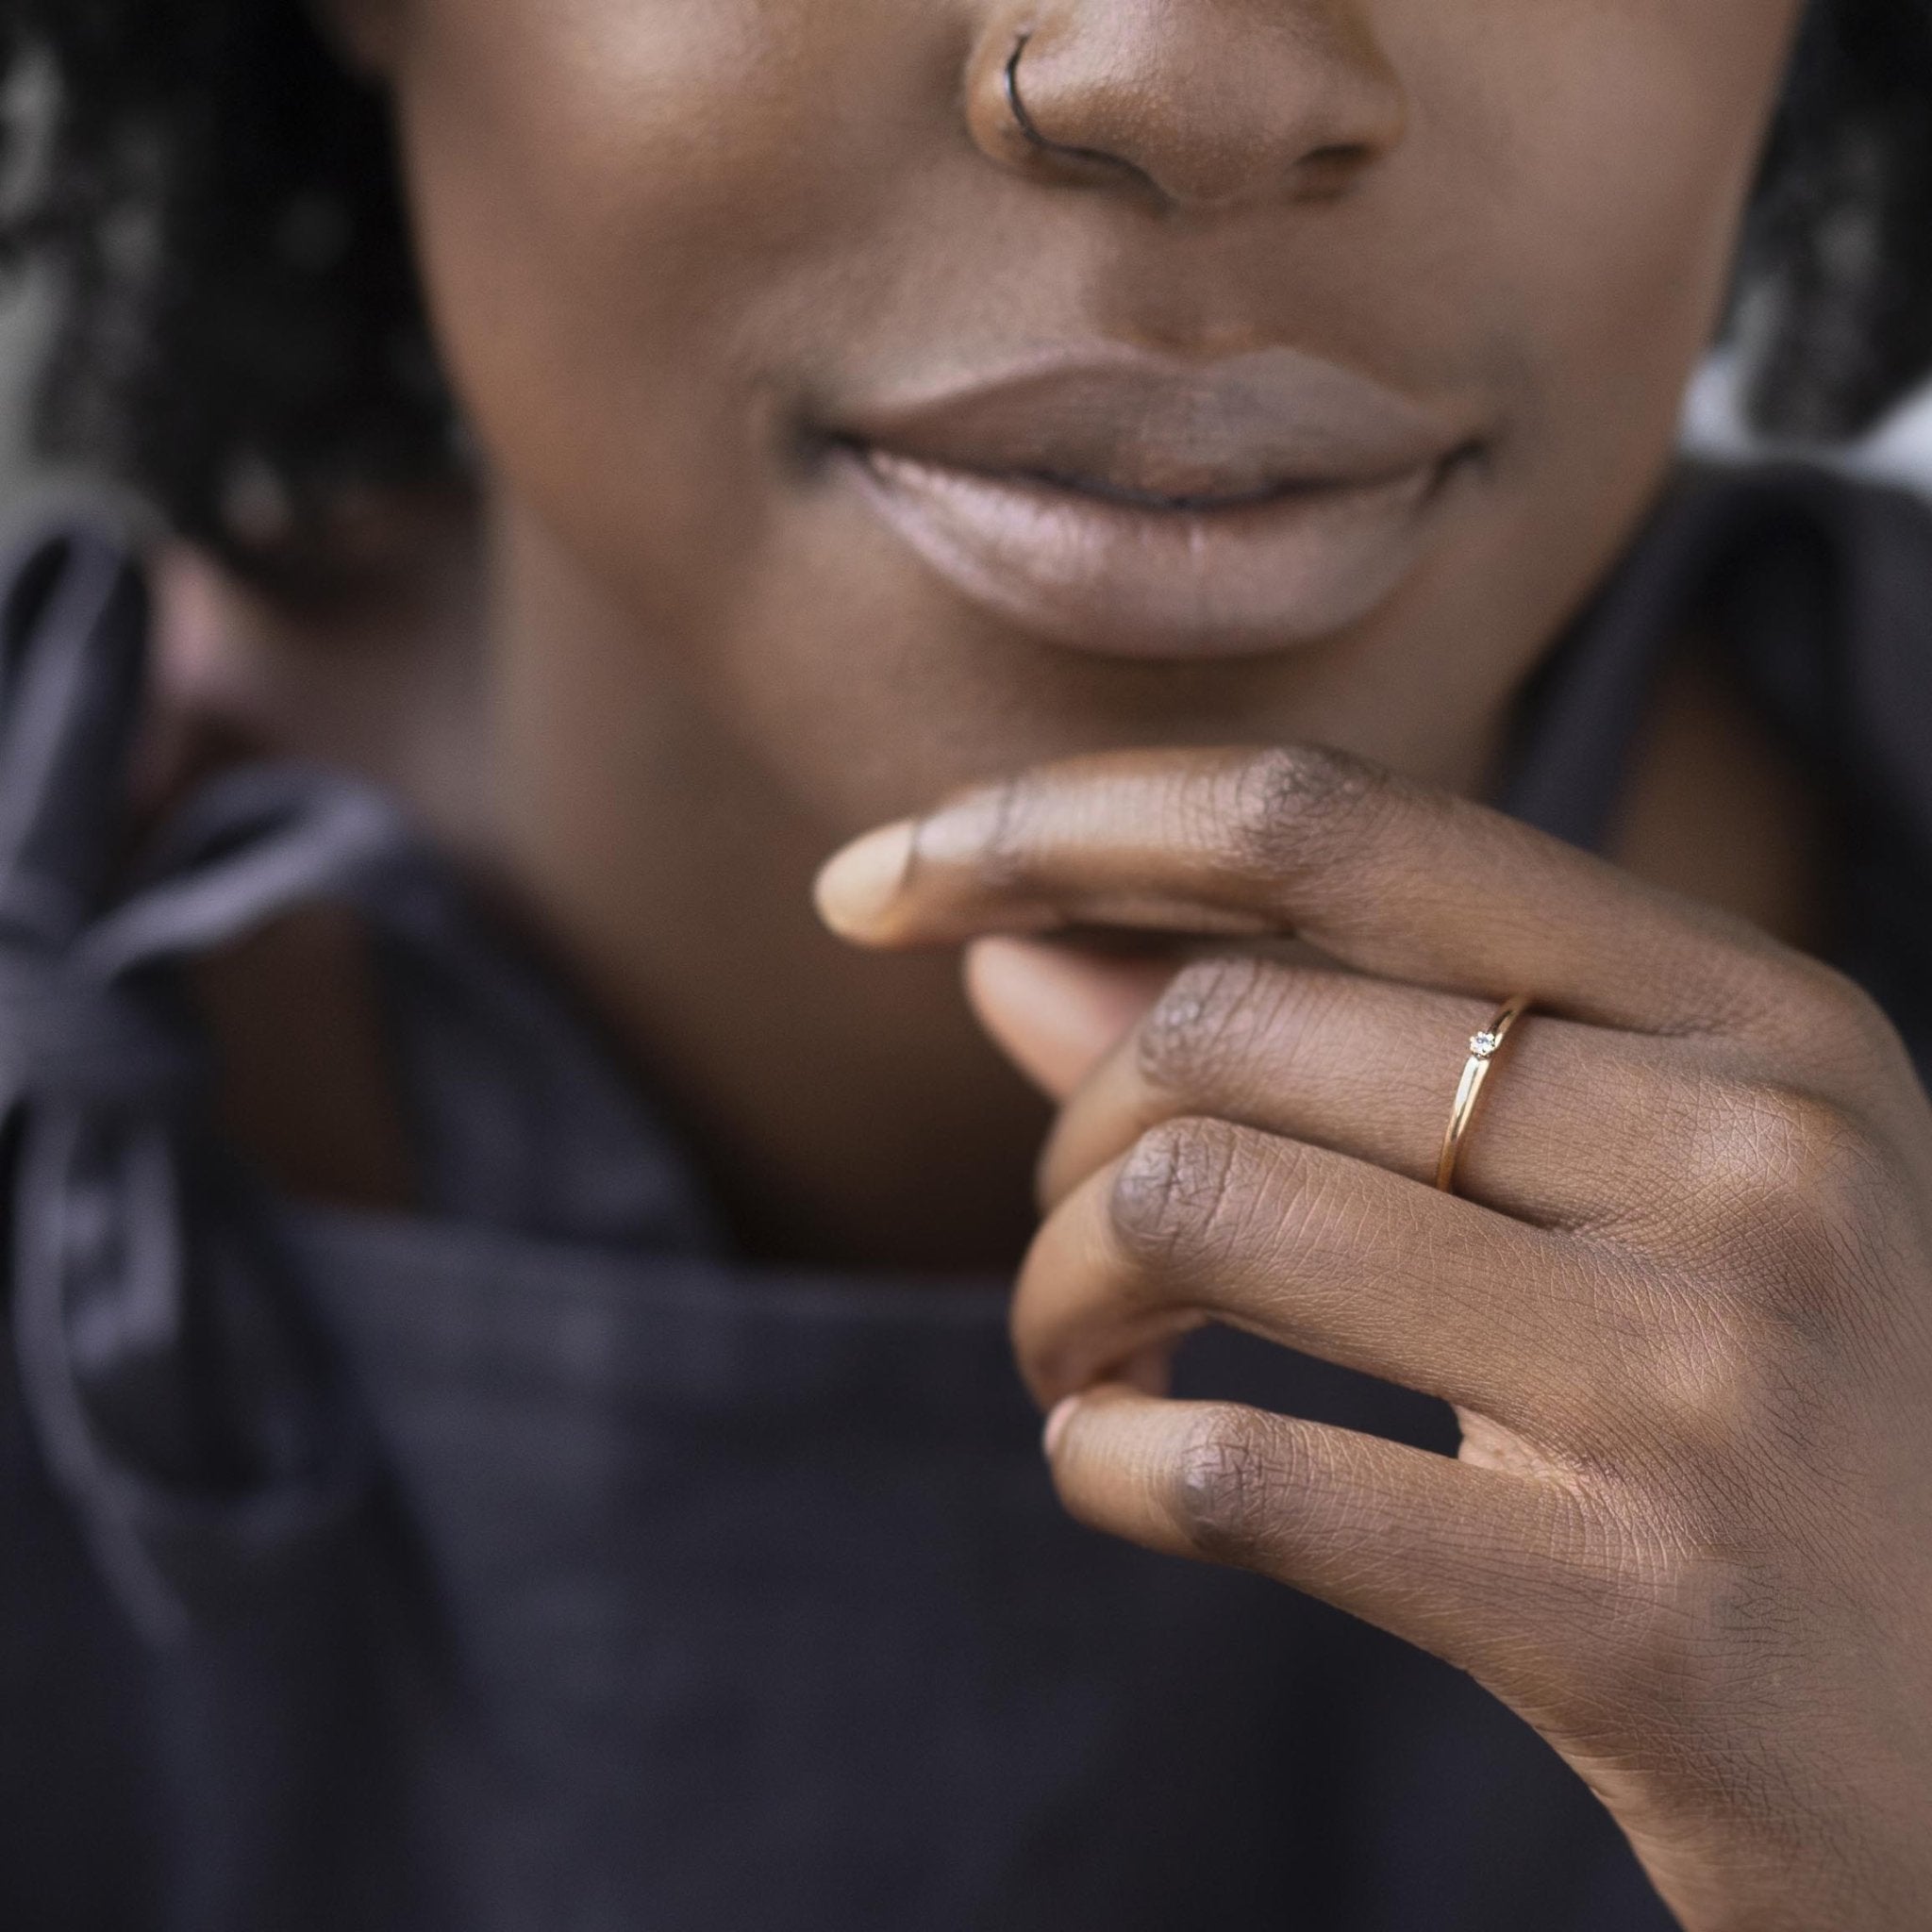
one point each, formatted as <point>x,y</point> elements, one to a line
<point>1044,144</point>
<point>1206,107</point>
<point>1331,170</point>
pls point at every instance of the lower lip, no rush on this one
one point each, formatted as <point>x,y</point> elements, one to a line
<point>1125,581</point>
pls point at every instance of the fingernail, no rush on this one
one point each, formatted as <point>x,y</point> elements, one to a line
<point>859,885</point>
<point>1057,1424</point>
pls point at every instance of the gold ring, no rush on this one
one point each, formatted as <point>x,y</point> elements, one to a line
<point>1483,1049</point>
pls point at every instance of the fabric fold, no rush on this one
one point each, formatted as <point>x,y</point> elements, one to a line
<point>178,1383</point>
<point>181,1398</point>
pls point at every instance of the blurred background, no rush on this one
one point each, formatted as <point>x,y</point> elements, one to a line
<point>22,324</point>
<point>1901,451</point>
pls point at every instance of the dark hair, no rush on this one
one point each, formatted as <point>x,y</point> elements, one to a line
<point>240,335</point>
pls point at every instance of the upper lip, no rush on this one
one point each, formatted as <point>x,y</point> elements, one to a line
<point>1161,431</point>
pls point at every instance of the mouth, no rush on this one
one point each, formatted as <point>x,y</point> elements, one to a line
<point>1139,506</point>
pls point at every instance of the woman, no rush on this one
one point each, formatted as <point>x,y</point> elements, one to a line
<point>1227,453</point>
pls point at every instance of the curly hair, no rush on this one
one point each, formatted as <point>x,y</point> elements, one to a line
<point>241,338</point>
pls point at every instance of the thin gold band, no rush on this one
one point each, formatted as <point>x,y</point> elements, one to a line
<point>1483,1049</point>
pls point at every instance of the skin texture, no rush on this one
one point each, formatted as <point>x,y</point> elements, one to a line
<point>668,246</point>
<point>1680,1304</point>
<point>673,252</point>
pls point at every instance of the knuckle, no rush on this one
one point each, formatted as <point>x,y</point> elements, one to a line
<point>1680,1609</point>
<point>1004,813</point>
<point>1722,1383</point>
<point>1292,804</point>
<point>1172,1196</point>
<point>1707,1626</point>
<point>1755,1408</point>
<point>1205,1026</point>
<point>1794,1180</point>
<point>1826,1023</point>
<point>1229,1482</point>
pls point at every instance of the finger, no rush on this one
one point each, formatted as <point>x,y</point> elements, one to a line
<point>1056,1011</point>
<point>1501,1574</point>
<point>1380,874</point>
<point>1574,1127</point>
<point>1207,1221</point>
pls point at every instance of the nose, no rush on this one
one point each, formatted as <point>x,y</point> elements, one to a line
<point>1203,104</point>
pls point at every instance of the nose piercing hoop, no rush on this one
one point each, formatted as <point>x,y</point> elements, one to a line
<point>1015,104</point>
<point>1023,120</point>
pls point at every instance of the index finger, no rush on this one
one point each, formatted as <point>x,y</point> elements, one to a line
<point>1379,873</point>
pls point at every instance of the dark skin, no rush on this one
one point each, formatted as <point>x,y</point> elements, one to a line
<point>681,261</point>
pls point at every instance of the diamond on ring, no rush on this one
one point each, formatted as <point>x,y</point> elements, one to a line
<point>1483,1049</point>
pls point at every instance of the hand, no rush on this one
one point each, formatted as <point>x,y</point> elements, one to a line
<point>1682,1301</point>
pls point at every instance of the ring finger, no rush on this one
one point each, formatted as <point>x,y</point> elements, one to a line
<point>1572,1125</point>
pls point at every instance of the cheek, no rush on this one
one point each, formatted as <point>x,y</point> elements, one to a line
<point>1571,196</point>
<point>609,192</point>
<point>1611,147</point>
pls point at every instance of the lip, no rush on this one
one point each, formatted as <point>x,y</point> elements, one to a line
<point>1145,506</point>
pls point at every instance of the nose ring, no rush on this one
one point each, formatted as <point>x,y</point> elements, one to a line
<point>1023,120</point>
<point>1016,105</point>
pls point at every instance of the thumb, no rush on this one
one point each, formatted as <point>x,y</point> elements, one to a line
<point>1057,1011</point>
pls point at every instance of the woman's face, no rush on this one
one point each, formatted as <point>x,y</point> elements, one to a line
<point>1220,370</point>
